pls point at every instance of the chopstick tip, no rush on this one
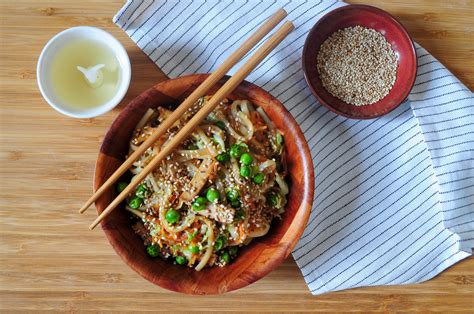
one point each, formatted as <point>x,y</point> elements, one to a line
<point>289,24</point>
<point>282,12</point>
<point>94,224</point>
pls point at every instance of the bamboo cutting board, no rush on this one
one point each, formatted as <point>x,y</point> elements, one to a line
<point>51,261</point>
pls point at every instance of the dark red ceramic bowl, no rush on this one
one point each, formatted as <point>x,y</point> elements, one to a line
<point>396,35</point>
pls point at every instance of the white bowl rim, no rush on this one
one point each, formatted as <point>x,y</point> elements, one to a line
<point>121,54</point>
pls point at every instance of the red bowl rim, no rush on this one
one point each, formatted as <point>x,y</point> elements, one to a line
<point>372,9</point>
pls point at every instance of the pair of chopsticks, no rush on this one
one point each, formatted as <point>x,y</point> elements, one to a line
<point>223,92</point>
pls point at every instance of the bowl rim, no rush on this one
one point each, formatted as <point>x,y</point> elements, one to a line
<point>387,16</point>
<point>288,241</point>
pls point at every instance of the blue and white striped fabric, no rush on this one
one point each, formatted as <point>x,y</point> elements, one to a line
<point>394,197</point>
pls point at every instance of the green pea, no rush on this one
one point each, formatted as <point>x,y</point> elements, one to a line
<point>258,178</point>
<point>191,235</point>
<point>192,146</point>
<point>246,159</point>
<point>225,257</point>
<point>135,202</point>
<point>220,242</point>
<point>194,249</point>
<point>233,250</point>
<point>212,195</point>
<point>199,203</point>
<point>141,191</point>
<point>245,171</point>
<point>235,204</point>
<point>172,216</point>
<point>279,138</point>
<point>180,260</point>
<point>223,158</point>
<point>232,195</point>
<point>273,199</point>
<point>220,125</point>
<point>153,250</point>
<point>121,186</point>
<point>240,215</point>
<point>237,150</point>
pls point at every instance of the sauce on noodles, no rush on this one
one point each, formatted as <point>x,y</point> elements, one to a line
<point>220,189</point>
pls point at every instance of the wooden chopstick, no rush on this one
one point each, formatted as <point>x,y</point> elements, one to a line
<point>235,57</point>
<point>223,92</point>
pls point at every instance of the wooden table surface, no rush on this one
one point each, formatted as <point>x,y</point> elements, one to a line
<point>51,261</point>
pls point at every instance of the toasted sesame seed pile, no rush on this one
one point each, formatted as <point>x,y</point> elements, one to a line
<point>357,65</point>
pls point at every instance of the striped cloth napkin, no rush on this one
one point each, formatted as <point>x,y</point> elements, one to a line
<point>394,196</point>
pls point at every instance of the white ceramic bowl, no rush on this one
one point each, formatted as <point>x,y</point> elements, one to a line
<point>43,70</point>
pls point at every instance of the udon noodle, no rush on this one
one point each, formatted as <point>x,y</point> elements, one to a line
<point>220,189</point>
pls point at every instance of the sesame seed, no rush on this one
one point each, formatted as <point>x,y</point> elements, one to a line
<point>357,65</point>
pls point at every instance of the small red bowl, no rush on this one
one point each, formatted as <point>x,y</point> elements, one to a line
<point>395,34</point>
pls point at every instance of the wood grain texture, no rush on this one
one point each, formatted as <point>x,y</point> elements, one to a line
<point>48,258</point>
<point>255,260</point>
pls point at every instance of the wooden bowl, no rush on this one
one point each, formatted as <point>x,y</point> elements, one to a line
<point>255,260</point>
<point>395,34</point>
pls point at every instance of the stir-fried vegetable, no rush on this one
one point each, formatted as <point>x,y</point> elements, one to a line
<point>233,195</point>
<point>246,159</point>
<point>225,257</point>
<point>194,249</point>
<point>223,157</point>
<point>141,191</point>
<point>121,186</point>
<point>199,203</point>
<point>153,250</point>
<point>180,260</point>
<point>172,216</point>
<point>220,124</point>
<point>212,195</point>
<point>245,171</point>
<point>220,243</point>
<point>239,215</point>
<point>237,150</point>
<point>276,200</point>
<point>135,202</point>
<point>258,178</point>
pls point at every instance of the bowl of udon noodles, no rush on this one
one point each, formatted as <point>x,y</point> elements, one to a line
<point>222,210</point>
